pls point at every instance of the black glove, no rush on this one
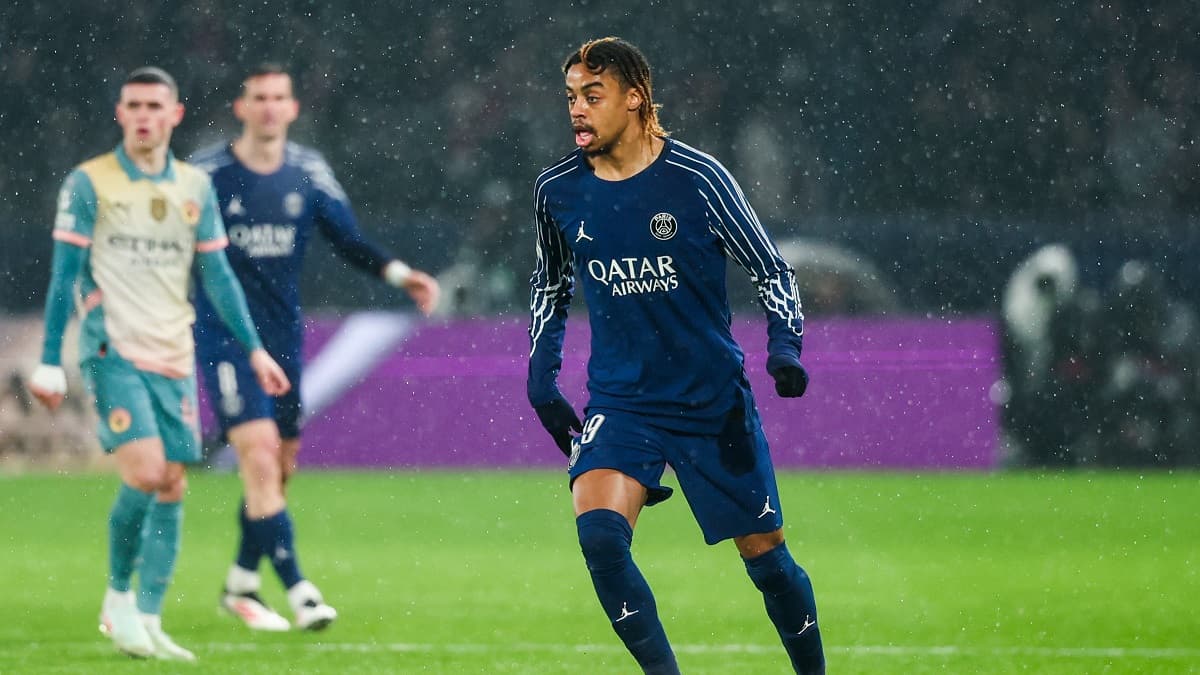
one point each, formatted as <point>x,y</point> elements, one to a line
<point>560,420</point>
<point>790,380</point>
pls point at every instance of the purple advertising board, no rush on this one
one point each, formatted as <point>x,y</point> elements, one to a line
<point>884,394</point>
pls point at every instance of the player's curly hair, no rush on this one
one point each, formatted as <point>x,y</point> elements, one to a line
<point>630,68</point>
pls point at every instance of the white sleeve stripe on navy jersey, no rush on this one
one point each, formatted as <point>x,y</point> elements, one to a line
<point>322,178</point>
<point>719,171</point>
<point>779,290</point>
<point>210,159</point>
<point>726,179</point>
<point>318,170</point>
<point>541,184</point>
<point>547,282</point>
<point>711,168</point>
<point>778,297</point>
<point>565,160</point>
<point>544,239</point>
<point>731,237</point>
<point>721,237</point>
<point>733,246</point>
<point>747,223</point>
<point>542,217</point>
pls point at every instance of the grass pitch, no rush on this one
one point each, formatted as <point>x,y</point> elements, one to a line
<point>479,572</point>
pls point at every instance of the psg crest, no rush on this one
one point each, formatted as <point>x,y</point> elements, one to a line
<point>663,226</point>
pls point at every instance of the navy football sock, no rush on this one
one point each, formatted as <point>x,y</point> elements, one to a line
<point>788,594</point>
<point>248,551</point>
<point>605,537</point>
<point>273,536</point>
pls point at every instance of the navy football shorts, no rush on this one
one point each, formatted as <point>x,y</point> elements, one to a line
<point>234,392</point>
<point>727,478</point>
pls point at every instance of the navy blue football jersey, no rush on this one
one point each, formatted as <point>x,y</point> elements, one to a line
<point>270,220</point>
<point>650,252</point>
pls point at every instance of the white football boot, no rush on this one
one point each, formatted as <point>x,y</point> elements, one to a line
<point>164,647</point>
<point>241,599</point>
<point>309,607</point>
<point>119,621</point>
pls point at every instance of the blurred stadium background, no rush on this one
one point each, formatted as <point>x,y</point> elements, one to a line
<point>913,157</point>
<point>992,209</point>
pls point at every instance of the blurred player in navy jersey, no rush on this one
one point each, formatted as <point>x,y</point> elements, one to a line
<point>273,195</point>
<point>648,222</point>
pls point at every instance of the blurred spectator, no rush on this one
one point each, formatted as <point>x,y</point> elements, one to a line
<point>1050,357</point>
<point>1152,350</point>
<point>1098,379</point>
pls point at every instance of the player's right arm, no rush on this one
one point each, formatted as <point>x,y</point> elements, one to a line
<point>551,290</point>
<point>73,225</point>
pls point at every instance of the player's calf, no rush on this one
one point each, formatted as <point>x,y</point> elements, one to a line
<point>605,538</point>
<point>788,595</point>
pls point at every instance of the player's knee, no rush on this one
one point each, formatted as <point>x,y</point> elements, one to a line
<point>173,488</point>
<point>147,477</point>
<point>260,465</point>
<point>604,537</point>
<point>775,571</point>
<point>754,545</point>
<point>289,450</point>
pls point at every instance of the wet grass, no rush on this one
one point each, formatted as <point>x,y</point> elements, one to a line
<point>479,572</point>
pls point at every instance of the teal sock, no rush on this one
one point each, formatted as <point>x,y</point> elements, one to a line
<point>125,534</point>
<point>162,535</point>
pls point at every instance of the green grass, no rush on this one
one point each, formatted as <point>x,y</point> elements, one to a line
<point>480,573</point>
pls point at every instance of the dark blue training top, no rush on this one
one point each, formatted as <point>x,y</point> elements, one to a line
<point>269,220</point>
<point>650,252</point>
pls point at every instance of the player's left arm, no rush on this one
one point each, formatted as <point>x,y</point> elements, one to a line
<point>223,289</point>
<point>337,223</point>
<point>749,245</point>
